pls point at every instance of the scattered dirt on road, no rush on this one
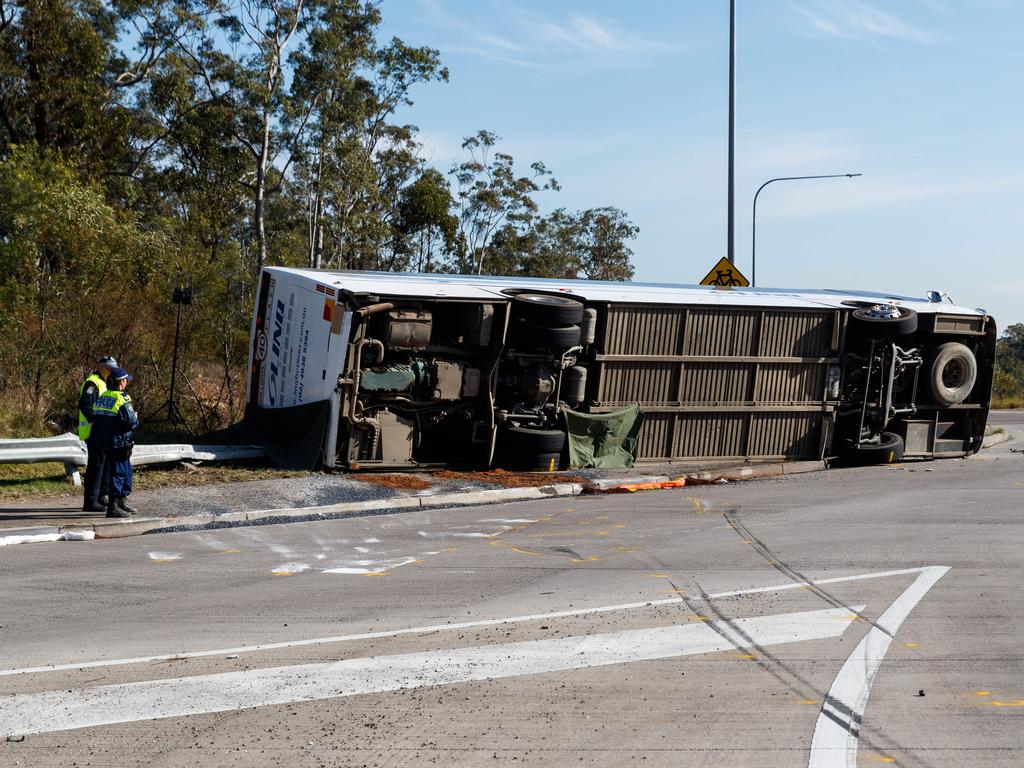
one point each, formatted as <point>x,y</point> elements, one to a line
<point>508,479</point>
<point>404,482</point>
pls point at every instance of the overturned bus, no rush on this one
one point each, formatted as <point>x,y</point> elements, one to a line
<point>373,370</point>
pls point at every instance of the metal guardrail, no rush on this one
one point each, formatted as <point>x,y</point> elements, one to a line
<point>71,452</point>
<point>162,454</point>
<point>66,448</point>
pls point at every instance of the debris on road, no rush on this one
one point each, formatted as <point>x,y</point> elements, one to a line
<point>404,482</point>
<point>36,538</point>
<point>507,479</point>
<point>679,482</point>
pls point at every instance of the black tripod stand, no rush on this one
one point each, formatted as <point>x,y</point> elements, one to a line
<point>181,297</point>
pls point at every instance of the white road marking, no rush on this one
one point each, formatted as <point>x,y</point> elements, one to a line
<point>836,732</point>
<point>371,566</point>
<point>224,692</point>
<point>164,557</point>
<point>455,625</point>
<point>289,569</point>
<point>507,520</point>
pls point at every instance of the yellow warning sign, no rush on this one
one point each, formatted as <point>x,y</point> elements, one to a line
<point>725,275</point>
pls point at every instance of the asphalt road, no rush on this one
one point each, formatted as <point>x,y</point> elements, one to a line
<point>1015,416</point>
<point>861,616</point>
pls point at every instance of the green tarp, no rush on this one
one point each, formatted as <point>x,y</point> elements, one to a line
<point>604,440</point>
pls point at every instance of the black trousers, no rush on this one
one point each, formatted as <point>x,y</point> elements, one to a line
<point>93,481</point>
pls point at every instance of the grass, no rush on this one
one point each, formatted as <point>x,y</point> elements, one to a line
<point>994,431</point>
<point>1004,403</point>
<point>23,481</point>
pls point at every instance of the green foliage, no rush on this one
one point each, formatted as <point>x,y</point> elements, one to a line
<point>1009,374</point>
<point>68,261</point>
<point>147,144</point>
<point>491,197</point>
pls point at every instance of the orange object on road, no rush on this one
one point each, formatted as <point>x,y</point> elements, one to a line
<point>679,482</point>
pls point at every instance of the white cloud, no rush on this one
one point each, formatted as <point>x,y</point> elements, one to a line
<point>439,149</point>
<point>590,34</point>
<point>496,41</point>
<point>855,20</point>
<point>809,152</point>
<point>530,39</point>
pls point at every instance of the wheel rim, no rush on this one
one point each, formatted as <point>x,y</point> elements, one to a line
<point>883,312</point>
<point>954,374</point>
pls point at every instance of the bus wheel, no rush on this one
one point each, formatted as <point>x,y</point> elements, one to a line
<point>882,321</point>
<point>531,336</point>
<point>533,462</point>
<point>888,450</point>
<point>954,371</point>
<point>542,309</point>
<point>526,440</point>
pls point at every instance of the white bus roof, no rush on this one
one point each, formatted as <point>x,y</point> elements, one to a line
<point>490,288</point>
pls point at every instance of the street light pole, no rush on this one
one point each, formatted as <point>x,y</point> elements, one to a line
<point>753,233</point>
<point>731,224</point>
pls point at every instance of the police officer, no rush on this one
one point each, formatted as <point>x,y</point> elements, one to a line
<point>94,385</point>
<point>113,424</point>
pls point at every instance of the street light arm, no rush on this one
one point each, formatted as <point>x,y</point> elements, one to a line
<point>753,217</point>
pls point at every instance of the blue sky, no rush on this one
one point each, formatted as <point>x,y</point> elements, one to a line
<point>626,103</point>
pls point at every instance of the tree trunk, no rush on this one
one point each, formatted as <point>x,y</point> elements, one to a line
<point>259,210</point>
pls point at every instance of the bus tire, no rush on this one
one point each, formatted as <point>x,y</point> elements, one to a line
<point>526,440</point>
<point>864,325</point>
<point>543,309</point>
<point>533,462</point>
<point>953,373</point>
<point>532,336</point>
<point>889,450</point>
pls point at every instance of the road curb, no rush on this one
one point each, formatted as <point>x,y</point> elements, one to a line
<point>996,439</point>
<point>114,529</point>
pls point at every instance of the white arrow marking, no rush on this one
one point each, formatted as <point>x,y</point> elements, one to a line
<point>105,705</point>
<point>837,731</point>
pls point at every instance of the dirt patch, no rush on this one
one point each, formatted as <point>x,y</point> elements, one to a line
<point>397,482</point>
<point>508,479</point>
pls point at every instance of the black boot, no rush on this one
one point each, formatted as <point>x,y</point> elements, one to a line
<point>92,506</point>
<point>114,511</point>
<point>122,504</point>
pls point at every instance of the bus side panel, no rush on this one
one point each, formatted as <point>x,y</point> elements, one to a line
<point>737,383</point>
<point>292,335</point>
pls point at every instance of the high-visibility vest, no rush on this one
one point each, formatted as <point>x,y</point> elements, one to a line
<point>109,403</point>
<point>84,425</point>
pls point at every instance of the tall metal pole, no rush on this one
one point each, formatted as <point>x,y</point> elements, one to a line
<point>731,237</point>
<point>753,218</point>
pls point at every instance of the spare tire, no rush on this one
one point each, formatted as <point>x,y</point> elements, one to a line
<point>527,440</point>
<point>531,336</point>
<point>542,309</point>
<point>888,450</point>
<point>881,321</point>
<point>953,373</point>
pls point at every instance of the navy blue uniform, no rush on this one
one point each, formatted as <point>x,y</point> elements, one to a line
<point>113,425</point>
